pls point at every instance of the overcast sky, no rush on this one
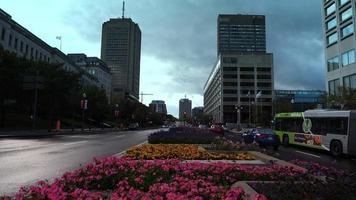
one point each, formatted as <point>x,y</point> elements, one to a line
<point>179,38</point>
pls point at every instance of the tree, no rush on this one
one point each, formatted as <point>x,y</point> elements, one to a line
<point>345,100</point>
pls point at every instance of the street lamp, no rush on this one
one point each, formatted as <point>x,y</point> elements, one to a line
<point>238,114</point>
<point>116,113</point>
<point>83,106</point>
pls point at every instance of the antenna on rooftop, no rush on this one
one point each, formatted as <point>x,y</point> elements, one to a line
<point>123,9</point>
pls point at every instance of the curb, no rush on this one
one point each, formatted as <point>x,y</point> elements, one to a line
<point>273,160</point>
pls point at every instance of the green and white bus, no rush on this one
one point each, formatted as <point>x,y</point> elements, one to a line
<point>331,130</point>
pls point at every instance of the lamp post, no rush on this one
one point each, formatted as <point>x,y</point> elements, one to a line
<point>84,106</point>
<point>116,112</point>
<point>238,115</point>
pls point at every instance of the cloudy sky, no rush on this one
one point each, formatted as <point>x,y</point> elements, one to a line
<point>179,38</point>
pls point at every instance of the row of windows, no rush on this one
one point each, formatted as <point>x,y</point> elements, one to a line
<point>320,126</point>
<point>345,31</point>
<point>14,42</point>
<point>332,8</point>
<point>347,59</point>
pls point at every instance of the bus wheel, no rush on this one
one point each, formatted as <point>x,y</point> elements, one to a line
<point>285,140</point>
<point>336,148</point>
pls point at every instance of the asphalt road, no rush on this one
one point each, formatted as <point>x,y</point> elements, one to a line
<point>26,161</point>
<point>293,152</point>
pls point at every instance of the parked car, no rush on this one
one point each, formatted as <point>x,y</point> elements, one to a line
<point>202,126</point>
<point>133,126</point>
<point>263,137</point>
<point>217,129</point>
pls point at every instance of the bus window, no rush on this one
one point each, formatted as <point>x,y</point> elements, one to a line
<point>337,126</point>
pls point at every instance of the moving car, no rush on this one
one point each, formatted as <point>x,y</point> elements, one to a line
<point>217,129</point>
<point>133,126</point>
<point>263,137</point>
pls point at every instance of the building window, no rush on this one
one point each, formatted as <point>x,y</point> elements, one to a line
<point>330,9</point>
<point>333,64</point>
<point>21,46</point>
<point>10,40</point>
<point>3,34</point>
<point>347,30</point>
<point>15,44</point>
<point>342,2</point>
<point>350,81</point>
<point>331,24</point>
<point>332,38</point>
<point>346,14</point>
<point>348,57</point>
<point>26,52</point>
<point>334,87</point>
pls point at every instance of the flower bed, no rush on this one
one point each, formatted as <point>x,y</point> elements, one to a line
<point>337,184</point>
<point>181,151</point>
<point>182,135</point>
<point>122,178</point>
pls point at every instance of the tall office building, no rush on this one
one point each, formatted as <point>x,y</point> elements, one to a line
<point>121,50</point>
<point>158,106</point>
<point>241,33</point>
<point>185,108</point>
<point>239,87</point>
<point>339,19</point>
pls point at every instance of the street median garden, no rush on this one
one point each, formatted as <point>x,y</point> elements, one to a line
<point>159,170</point>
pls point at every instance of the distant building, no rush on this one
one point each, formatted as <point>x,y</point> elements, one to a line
<point>185,108</point>
<point>339,39</point>
<point>241,33</point>
<point>239,87</point>
<point>17,39</point>
<point>158,106</point>
<point>197,111</point>
<point>298,100</point>
<point>121,51</point>
<point>97,68</point>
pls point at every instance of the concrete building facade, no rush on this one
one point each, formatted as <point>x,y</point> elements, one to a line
<point>185,108</point>
<point>234,82</point>
<point>17,39</point>
<point>121,51</point>
<point>239,87</point>
<point>96,68</point>
<point>340,44</point>
<point>197,111</point>
<point>158,106</point>
<point>241,33</point>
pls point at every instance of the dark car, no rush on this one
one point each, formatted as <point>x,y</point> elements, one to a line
<point>263,137</point>
<point>217,129</point>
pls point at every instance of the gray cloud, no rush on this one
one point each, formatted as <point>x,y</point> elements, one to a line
<point>183,32</point>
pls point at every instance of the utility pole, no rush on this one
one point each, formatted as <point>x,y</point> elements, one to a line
<point>142,96</point>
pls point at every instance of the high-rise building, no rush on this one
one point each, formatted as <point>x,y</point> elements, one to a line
<point>239,87</point>
<point>185,108</point>
<point>339,40</point>
<point>121,51</point>
<point>241,33</point>
<point>158,106</point>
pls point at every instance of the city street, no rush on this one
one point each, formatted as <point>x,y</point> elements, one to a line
<point>322,157</point>
<point>25,161</point>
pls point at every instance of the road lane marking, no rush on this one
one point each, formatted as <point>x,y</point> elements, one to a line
<point>309,154</point>
<point>120,136</point>
<point>72,143</point>
<point>123,152</point>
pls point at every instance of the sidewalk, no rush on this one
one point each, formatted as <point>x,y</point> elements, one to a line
<point>45,133</point>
